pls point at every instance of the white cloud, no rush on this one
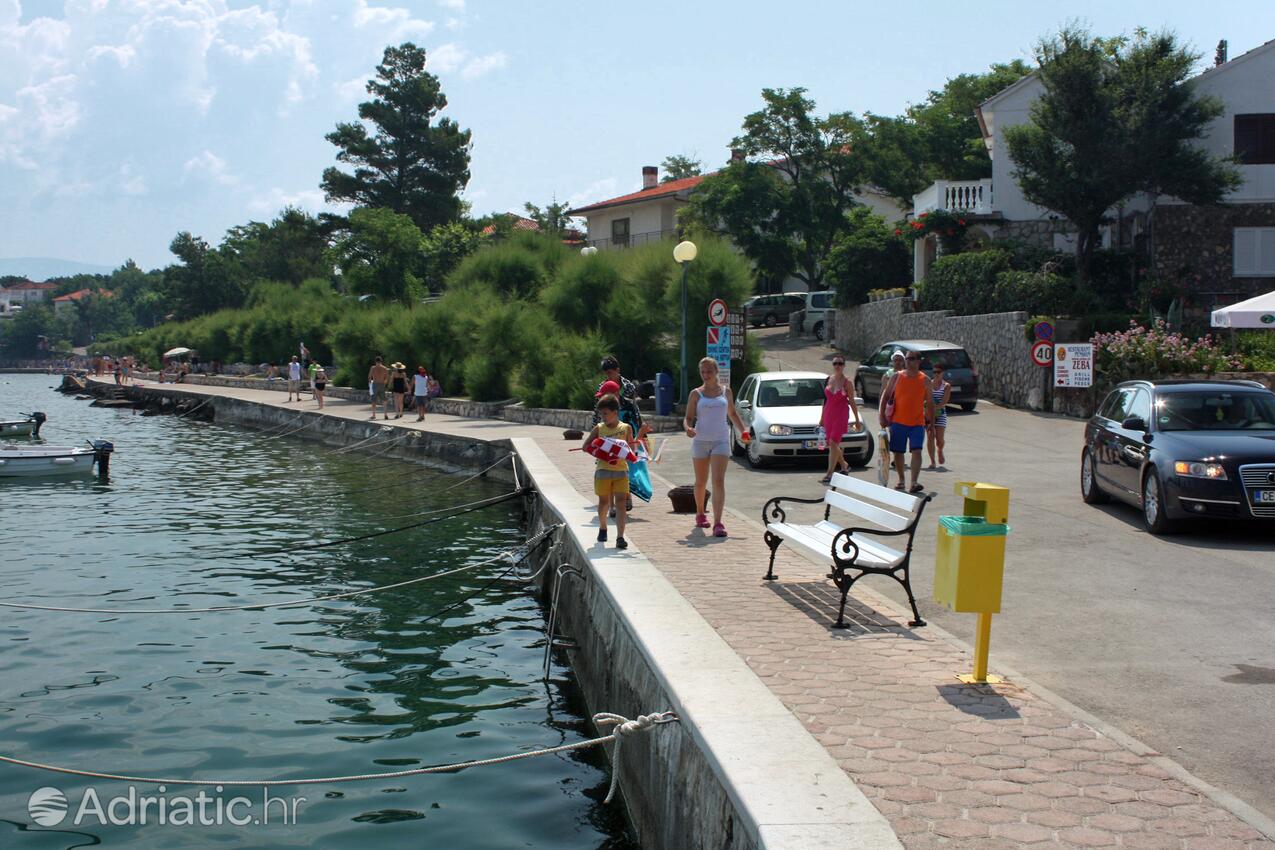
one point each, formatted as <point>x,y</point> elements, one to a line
<point>454,5</point>
<point>209,166</point>
<point>352,89</point>
<point>395,19</point>
<point>275,199</point>
<point>451,57</point>
<point>598,190</point>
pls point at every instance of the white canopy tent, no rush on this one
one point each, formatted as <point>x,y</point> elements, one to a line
<point>1256,312</point>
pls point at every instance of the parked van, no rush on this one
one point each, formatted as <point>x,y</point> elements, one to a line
<point>771,310</point>
<point>819,307</point>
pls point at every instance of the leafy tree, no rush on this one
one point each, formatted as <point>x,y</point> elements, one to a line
<point>785,204</point>
<point>937,139</point>
<point>1117,117</point>
<point>553,219</point>
<point>202,283</point>
<point>413,164</point>
<point>444,247</point>
<point>679,167</point>
<point>290,249</point>
<point>21,335</point>
<point>100,314</point>
<point>381,255</point>
<point>867,256</point>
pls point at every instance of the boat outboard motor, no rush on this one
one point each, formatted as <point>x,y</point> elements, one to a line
<point>102,456</point>
<point>39,419</point>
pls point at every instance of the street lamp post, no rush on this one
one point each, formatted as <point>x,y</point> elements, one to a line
<point>684,253</point>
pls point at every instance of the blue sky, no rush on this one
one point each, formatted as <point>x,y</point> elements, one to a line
<point>124,121</point>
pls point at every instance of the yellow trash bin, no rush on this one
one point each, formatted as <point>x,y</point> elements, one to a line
<point>969,564</point>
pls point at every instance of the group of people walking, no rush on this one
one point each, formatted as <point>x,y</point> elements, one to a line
<point>389,385</point>
<point>912,412</point>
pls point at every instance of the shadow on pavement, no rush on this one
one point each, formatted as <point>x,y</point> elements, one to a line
<point>978,700</point>
<point>819,601</point>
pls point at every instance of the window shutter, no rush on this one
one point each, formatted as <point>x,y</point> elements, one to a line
<point>1266,251</point>
<point>1245,250</point>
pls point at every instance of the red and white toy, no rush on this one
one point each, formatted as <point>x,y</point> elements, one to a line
<point>611,450</point>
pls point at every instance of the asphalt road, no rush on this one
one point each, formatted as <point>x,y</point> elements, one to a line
<point>1171,639</point>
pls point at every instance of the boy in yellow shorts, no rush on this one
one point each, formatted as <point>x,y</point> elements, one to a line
<point>611,478</point>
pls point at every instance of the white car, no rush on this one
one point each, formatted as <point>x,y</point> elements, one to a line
<point>819,306</point>
<point>781,411</point>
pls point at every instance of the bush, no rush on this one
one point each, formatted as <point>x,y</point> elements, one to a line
<point>870,256</point>
<point>518,267</point>
<point>1151,353</point>
<point>1031,291</point>
<point>1257,350</point>
<point>965,283</point>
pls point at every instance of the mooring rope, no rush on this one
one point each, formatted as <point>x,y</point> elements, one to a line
<point>624,728</point>
<point>381,433</point>
<point>529,546</point>
<point>196,407</point>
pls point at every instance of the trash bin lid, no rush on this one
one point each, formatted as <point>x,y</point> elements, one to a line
<point>972,526</point>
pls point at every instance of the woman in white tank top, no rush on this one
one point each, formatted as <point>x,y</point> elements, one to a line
<point>707,410</point>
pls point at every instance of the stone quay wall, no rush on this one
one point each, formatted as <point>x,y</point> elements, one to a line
<point>996,342</point>
<point>510,409</point>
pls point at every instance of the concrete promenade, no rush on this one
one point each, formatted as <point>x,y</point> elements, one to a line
<point>954,766</point>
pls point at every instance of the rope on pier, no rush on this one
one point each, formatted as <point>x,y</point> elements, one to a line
<point>193,409</point>
<point>624,728</point>
<point>529,546</point>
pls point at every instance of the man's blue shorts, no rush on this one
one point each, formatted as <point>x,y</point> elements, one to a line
<point>904,436</point>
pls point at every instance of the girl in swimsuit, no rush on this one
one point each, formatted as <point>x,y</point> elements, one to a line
<point>320,384</point>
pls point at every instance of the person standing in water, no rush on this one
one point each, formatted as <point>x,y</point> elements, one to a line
<point>709,406</point>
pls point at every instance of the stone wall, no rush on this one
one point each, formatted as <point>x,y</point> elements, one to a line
<point>995,341</point>
<point>1194,246</point>
<point>510,409</point>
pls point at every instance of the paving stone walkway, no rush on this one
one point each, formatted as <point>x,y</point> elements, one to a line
<point>950,765</point>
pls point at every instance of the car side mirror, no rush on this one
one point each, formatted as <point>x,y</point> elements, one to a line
<point>1135,423</point>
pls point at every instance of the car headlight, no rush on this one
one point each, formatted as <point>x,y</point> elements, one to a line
<point>1199,469</point>
<point>781,430</point>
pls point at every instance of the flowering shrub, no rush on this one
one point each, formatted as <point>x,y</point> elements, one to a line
<point>948,226</point>
<point>1154,352</point>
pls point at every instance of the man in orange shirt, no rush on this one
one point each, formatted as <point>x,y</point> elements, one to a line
<point>913,408</point>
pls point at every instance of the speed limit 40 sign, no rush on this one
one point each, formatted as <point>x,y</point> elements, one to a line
<point>1042,352</point>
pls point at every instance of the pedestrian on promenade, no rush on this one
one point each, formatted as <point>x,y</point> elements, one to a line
<point>377,377</point>
<point>611,473</point>
<point>913,410</point>
<point>294,378</point>
<point>707,409</point>
<point>626,391</point>
<point>834,418</point>
<point>885,402</point>
<point>320,384</point>
<point>398,385</point>
<point>420,391</point>
<point>937,436</point>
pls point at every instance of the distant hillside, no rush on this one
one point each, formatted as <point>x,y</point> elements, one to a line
<point>43,268</point>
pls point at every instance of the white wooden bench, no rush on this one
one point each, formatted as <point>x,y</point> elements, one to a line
<point>863,508</point>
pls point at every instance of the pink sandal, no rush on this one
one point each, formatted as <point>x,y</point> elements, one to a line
<point>719,530</point>
<point>701,521</point>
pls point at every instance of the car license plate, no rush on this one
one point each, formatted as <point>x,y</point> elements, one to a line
<point>955,388</point>
<point>810,444</point>
<point>1264,497</point>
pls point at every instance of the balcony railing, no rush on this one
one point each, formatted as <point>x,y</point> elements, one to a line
<point>968,196</point>
<point>632,239</point>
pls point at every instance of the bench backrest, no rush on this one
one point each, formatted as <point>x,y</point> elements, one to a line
<point>847,494</point>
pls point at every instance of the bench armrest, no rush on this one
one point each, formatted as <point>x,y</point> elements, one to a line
<point>844,550</point>
<point>772,512</point>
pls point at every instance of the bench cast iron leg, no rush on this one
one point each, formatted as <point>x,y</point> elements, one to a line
<point>773,542</point>
<point>906,581</point>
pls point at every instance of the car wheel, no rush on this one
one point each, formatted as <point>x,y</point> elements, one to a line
<point>771,321</point>
<point>819,331</point>
<point>755,458</point>
<point>1089,489</point>
<point>735,448</point>
<point>866,458</point>
<point>968,406</point>
<point>1153,515</point>
<point>860,390</point>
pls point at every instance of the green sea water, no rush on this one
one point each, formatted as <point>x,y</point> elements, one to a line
<point>367,685</point>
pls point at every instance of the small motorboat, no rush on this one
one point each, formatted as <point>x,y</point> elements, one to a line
<point>29,427</point>
<point>23,461</point>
